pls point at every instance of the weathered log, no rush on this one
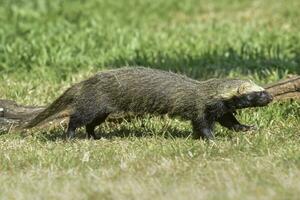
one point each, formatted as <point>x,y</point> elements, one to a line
<point>288,88</point>
<point>12,115</point>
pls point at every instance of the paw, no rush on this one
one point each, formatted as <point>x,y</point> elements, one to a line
<point>248,128</point>
<point>93,137</point>
<point>252,128</point>
<point>244,128</point>
<point>205,134</point>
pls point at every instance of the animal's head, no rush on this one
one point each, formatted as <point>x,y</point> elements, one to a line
<point>243,93</point>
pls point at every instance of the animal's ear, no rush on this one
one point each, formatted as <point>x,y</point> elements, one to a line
<point>243,88</point>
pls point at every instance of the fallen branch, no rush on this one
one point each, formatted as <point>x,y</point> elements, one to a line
<point>288,88</point>
<point>12,114</point>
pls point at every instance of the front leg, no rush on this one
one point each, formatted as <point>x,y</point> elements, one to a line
<point>229,121</point>
<point>202,129</point>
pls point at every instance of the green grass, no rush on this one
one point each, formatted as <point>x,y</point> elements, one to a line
<point>45,46</point>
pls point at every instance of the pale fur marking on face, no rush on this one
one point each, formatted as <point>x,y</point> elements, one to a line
<point>249,87</point>
<point>244,88</point>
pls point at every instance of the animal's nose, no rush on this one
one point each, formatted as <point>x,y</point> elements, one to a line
<point>270,97</point>
<point>267,96</point>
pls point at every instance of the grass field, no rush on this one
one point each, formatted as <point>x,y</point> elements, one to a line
<point>45,46</point>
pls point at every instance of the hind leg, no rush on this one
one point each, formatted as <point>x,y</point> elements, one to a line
<point>90,127</point>
<point>77,120</point>
<point>70,134</point>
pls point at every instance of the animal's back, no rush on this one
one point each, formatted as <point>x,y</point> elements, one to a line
<point>144,90</point>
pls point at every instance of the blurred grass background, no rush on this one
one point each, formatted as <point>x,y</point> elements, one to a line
<point>45,46</point>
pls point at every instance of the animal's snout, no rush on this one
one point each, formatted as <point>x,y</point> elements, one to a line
<point>264,97</point>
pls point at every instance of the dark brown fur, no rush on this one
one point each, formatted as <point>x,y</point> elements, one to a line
<point>143,90</point>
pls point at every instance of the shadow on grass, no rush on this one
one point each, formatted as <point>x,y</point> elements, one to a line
<point>216,63</point>
<point>144,131</point>
<point>112,130</point>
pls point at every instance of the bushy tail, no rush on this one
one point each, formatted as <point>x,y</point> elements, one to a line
<point>56,107</point>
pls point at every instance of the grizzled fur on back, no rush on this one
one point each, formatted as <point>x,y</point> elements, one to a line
<point>144,90</point>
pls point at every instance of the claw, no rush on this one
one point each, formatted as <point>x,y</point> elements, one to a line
<point>244,128</point>
<point>253,128</point>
